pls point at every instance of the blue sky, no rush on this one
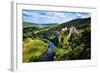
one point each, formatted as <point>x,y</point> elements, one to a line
<point>46,17</point>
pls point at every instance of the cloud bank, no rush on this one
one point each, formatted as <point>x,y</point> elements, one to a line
<point>45,17</point>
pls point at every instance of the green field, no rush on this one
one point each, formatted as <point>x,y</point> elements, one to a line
<point>33,49</point>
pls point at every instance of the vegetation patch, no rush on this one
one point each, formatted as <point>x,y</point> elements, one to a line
<point>33,49</point>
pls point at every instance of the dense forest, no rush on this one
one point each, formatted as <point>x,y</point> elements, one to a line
<point>57,42</point>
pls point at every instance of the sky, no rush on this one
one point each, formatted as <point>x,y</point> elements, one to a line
<point>47,17</point>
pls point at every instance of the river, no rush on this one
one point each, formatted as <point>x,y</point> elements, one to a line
<point>48,56</point>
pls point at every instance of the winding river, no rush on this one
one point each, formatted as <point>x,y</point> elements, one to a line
<point>48,56</point>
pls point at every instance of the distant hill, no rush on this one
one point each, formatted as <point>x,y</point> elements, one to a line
<point>28,24</point>
<point>48,28</point>
<point>78,23</point>
<point>49,25</point>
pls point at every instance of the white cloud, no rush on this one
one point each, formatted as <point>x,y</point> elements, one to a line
<point>83,15</point>
<point>27,13</point>
<point>53,15</point>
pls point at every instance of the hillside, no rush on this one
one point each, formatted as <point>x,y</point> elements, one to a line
<point>78,23</point>
<point>28,24</point>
